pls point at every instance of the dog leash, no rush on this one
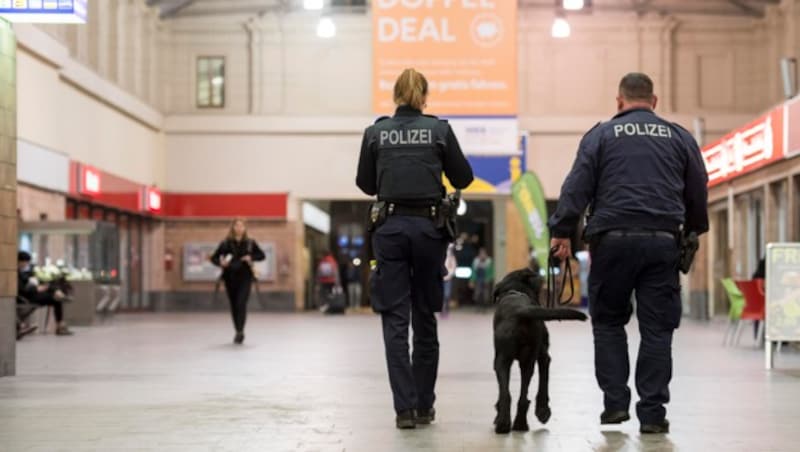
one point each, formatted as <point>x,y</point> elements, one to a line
<point>557,299</point>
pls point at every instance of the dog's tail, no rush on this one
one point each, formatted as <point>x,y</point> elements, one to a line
<point>545,314</point>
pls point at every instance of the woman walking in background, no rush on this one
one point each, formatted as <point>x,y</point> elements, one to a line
<point>235,255</point>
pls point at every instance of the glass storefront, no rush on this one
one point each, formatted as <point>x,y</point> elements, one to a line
<point>741,230</point>
<point>131,229</point>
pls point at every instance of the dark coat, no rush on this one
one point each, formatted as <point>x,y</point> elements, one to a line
<point>237,270</point>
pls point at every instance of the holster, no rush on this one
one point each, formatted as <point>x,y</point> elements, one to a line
<point>378,212</point>
<point>446,216</point>
<point>689,246</point>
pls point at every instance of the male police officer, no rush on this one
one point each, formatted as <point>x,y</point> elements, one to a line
<point>646,182</point>
<point>402,160</point>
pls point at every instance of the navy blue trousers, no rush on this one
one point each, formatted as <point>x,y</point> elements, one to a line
<point>406,288</point>
<point>648,266</point>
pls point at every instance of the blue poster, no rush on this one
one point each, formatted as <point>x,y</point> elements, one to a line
<point>496,173</point>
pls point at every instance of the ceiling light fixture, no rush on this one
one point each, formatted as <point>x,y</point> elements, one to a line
<point>573,5</point>
<point>326,28</point>
<point>561,28</point>
<point>313,5</point>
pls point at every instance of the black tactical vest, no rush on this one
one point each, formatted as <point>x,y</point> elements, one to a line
<point>409,160</point>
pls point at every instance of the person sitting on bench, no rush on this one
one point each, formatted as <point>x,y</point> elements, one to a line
<point>30,289</point>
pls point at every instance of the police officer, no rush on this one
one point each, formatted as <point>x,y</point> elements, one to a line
<point>402,160</point>
<point>645,181</point>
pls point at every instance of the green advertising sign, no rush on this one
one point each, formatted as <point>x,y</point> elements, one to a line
<point>529,199</point>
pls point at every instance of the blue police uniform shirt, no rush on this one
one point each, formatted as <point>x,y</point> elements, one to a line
<point>637,171</point>
<point>402,159</point>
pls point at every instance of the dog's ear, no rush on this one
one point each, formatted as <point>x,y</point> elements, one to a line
<point>498,290</point>
<point>510,282</point>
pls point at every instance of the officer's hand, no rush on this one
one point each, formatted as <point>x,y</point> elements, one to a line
<point>562,248</point>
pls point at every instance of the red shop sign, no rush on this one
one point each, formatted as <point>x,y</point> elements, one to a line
<point>90,181</point>
<point>152,200</point>
<point>744,150</point>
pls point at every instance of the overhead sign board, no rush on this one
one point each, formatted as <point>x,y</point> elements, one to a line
<point>44,11</point>
<point>152,200</point>
<point>466,48</point>
<point>316,218</point>
<point>746,149</point>
<point>90,181</point>
<point>487,136</point>
<point>42,167</point>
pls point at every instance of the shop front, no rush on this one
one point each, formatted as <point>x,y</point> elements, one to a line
<point>90,224</point>
<point>138,249</point>
<point>754,199</point>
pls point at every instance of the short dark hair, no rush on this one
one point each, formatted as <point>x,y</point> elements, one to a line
<point>23,256</point>
<point>636,86</point>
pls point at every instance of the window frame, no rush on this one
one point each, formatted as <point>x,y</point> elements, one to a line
<point>211,105</point>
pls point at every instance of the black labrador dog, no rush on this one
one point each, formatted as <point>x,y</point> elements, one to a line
<point>521,335</point>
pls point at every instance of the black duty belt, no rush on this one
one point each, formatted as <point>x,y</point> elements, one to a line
<point>410,211</point>
<point>640,233</point>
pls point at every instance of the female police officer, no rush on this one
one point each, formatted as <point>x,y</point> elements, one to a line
<point>402,160</point>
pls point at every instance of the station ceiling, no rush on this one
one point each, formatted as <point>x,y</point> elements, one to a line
<point>171,9</point>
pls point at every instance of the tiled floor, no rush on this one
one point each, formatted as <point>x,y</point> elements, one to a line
<point>312,383</point>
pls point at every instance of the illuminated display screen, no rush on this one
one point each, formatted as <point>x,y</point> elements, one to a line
<point>44,11</point>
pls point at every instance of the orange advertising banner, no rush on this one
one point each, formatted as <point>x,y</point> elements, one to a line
<point>466,48</point>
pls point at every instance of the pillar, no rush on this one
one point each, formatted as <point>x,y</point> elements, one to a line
<point>8,198</point>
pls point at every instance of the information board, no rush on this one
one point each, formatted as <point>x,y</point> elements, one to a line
<point>466,48</point>
<point>198,268</point>
<point>783,292</point>
<point>44,11</point>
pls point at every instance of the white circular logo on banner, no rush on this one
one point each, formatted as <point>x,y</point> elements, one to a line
<point>487,30</point>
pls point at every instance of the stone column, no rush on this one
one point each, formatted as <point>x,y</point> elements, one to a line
<point>792,28</point>
<point>8,198</point>
<point>124,49</point>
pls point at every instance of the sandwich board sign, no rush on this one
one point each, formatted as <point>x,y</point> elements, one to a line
<point>782,296</point>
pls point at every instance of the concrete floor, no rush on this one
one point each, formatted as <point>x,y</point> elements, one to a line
<point>311,383</point>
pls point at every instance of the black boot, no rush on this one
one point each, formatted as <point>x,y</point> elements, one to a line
<point>239,338</point>
<point>614,417</point>
<point>655,429</point>
<point>406,420</point>
<point>425,417</point>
